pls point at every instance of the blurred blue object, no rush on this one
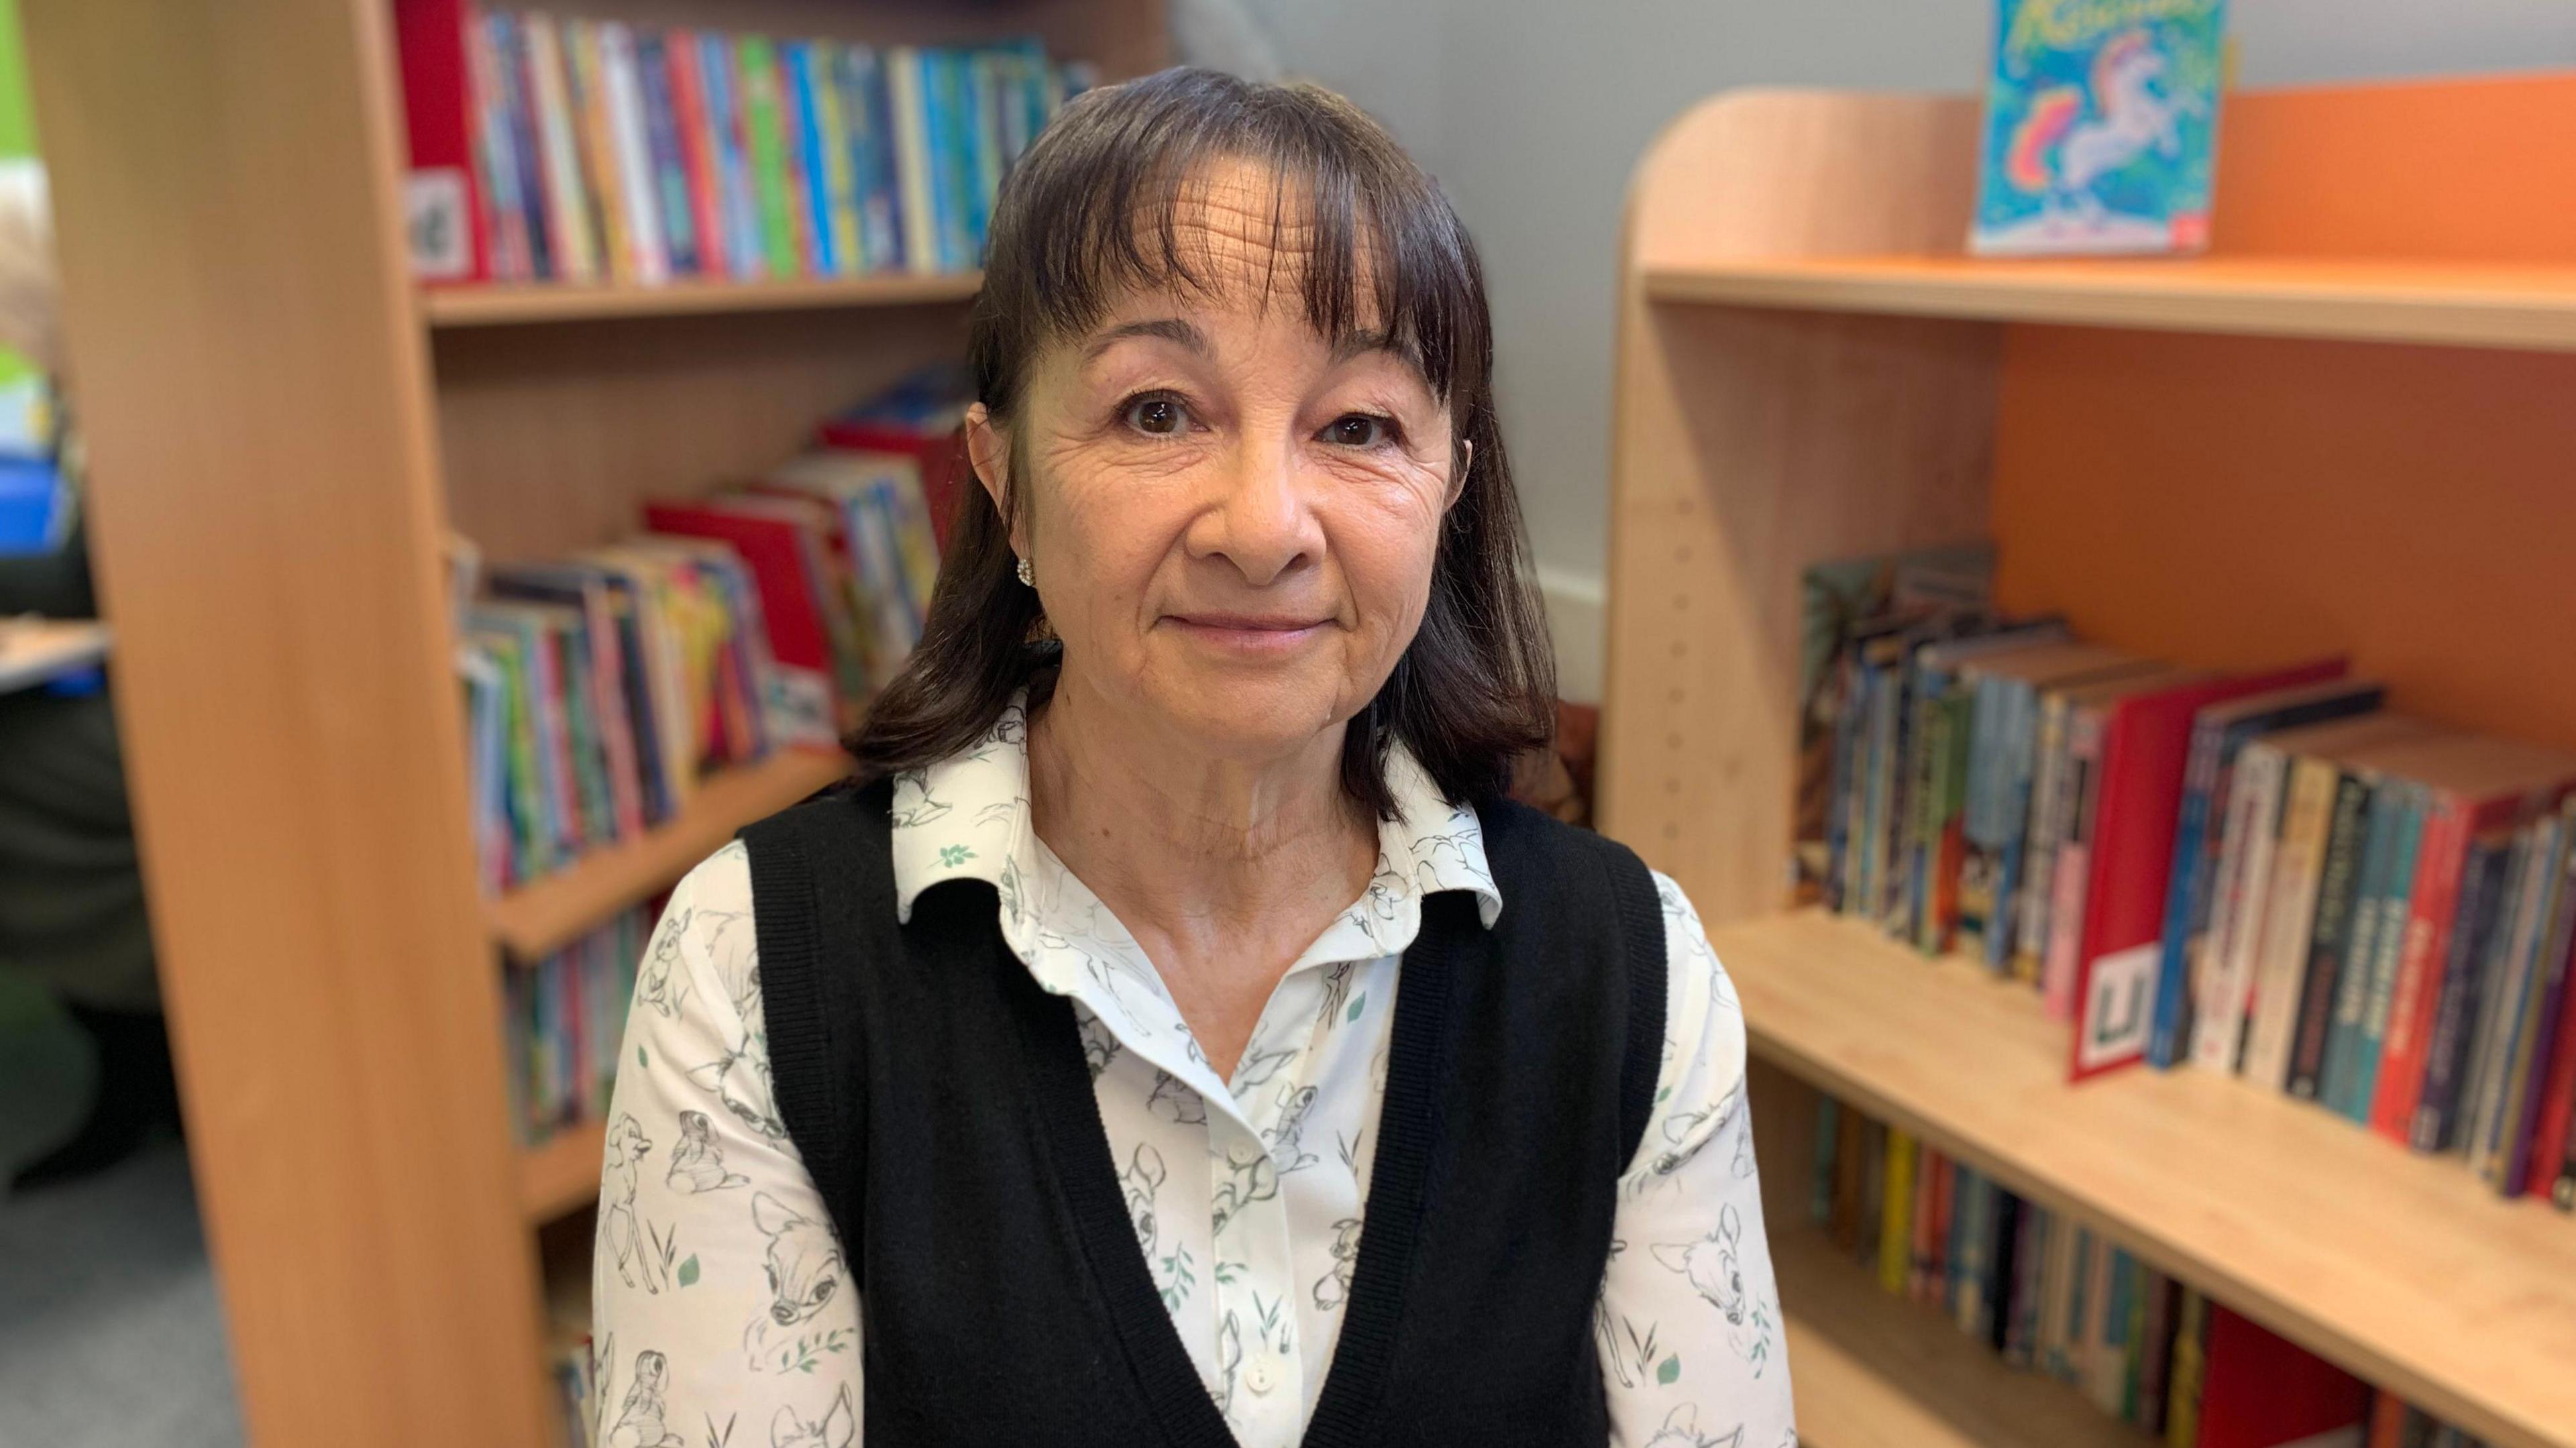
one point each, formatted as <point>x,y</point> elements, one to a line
<point>33,505</point>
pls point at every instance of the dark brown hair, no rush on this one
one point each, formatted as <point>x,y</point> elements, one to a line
<point>1088,214</point>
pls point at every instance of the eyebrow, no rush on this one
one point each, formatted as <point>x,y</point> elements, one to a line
<point>1170,329</point>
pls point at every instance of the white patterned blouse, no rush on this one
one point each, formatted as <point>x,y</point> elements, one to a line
<point>722,1314</point>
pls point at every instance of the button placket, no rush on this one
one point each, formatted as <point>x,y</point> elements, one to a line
<point>1254,1282</point>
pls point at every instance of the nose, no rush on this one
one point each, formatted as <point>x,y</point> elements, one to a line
<point>785,1312</point>
<point>1263,518</point>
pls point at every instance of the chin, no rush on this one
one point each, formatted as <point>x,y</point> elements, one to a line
<point>1251,713</point>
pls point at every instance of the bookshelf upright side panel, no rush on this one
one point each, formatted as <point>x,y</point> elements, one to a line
<point>1749,444</point>
<point>254,387</point>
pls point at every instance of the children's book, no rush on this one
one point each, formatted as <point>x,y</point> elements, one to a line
<point>2101,127</point>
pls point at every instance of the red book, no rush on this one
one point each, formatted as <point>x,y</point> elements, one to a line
<point>2387,1421</point>
<point>443,206</point>
<point>2474,786</point>
<point>2261,1391</point>
<point>697,159</point>
<point>2137,798</point>
<point>2557,1099</point>
<point>922,417</point>
<point>776,551</point>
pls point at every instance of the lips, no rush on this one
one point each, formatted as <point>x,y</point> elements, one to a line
<point>1247,633</point>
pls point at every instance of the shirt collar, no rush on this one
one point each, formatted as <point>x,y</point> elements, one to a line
<point>967,818</point>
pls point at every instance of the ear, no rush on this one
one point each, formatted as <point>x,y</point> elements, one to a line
<point>988,451</point>
<point>1674,1255</point>
<point>770,1217</point>
<point>841,1425</point>
<point>1458,477</point>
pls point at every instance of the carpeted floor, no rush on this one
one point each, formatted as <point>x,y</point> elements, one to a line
<point>110,1335</point>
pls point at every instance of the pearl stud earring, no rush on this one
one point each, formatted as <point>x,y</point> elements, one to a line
<point>1027,575</point>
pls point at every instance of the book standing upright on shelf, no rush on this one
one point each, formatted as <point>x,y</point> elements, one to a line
<point>2101,127</point>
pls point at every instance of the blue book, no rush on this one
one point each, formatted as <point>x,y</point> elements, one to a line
<point>2352,1047</point>
<point>737,210</point>
<point>796,63</point>
<point>866,114</point>
<point>952,159</point>
<point>510,54</point>
<point>662,143</point>
<point>2101,127</point>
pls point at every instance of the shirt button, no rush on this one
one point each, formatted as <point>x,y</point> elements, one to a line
<point>1261,1377</point>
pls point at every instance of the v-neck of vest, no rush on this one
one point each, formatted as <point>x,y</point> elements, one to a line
<point>1353,1399</point>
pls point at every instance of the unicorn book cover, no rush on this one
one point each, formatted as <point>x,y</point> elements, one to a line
<point>2101,127</point>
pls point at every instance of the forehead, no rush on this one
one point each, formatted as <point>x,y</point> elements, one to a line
<point>1238,235</point>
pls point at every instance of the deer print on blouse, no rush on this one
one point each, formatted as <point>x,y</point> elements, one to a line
<point>740,1080</point>
<point>837,1428</point>
<point>1710,1264</point>
<point>1681,1430</point>
<point>803,1263</point>
<point>620,1231</point>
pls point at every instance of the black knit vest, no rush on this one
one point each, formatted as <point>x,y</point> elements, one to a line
<point>940,1101</point>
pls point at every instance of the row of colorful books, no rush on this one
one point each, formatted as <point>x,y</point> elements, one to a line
<point>2052,1296</point>
<point>562,1019</point>
<point>2269,874</point>
<point>600,687</point>
<point>584,150</point>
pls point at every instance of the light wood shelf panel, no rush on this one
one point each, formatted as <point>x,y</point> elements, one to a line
<point>518,303</point>
<point>1873,1371</point>
<point>548,914</point>
<point>2403,1268</point>
<point>560,1174</point>
<point>2373,301</point>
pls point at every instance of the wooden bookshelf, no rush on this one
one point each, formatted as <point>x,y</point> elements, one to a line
<point>1872,1371</point>
<point>2449,304</point>
<point>521,303</point>
<point>545,915</point>
<point>2343,430</point>
<point>282,429</point>
<point>2402,1267</point>
<point>561,1174</point>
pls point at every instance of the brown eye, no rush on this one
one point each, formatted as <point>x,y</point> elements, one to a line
<point>1358,429</point>
<point>1158,416</point>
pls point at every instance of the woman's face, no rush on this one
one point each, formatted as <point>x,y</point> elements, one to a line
<point>1232,520</point>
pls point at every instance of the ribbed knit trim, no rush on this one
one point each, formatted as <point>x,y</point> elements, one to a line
<point>800,1045</point>
<point>1087,1174</point>
<point>1641,929</point>
<point>1350,1411</point>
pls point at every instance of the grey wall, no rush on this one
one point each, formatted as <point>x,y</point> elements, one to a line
<point>1532,113</point>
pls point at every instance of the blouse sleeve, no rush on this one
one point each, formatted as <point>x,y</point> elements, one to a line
<point>721,1312</point>
<point>1689,1322</point>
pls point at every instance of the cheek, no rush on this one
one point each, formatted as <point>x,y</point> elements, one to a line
<point>1387,541</point>
<point>1103,526</point>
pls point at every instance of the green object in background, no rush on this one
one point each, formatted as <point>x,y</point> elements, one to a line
<point>17,105</point>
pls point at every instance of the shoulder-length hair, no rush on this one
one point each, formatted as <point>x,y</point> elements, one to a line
<point>1090,213</point>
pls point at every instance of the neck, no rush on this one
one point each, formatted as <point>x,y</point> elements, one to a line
<point>1177,837</point>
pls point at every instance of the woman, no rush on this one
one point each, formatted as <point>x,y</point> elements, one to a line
<point>1180,1042</point>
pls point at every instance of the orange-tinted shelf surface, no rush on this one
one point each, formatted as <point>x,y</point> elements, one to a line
<point>2380,301</point>
<point>550,913</point>
<point>2402,1268</point>
<point>561,1173</point>
<point>502,304</point>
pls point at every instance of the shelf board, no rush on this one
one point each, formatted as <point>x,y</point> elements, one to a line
<point>502,304</point>
<point>1871,1370</point>
<point>2403,1268</point>
<point>560,1175</point>
<point>548,914</point>
<point>2442,304</point>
